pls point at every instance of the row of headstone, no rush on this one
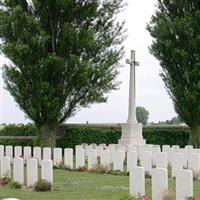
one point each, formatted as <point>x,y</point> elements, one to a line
<point>184,183</point>
<point>31,170</point>
<point>150,156</point>
<point>38,153</point>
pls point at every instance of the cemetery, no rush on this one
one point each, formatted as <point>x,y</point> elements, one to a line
<point>62,56</point>
<point>148,170</point>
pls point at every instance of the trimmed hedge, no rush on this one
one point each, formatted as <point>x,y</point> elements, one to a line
<point>18,130</point>
<point>79,135</point>
<point>171,135</point>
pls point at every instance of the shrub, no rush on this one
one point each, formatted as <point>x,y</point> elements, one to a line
<point>128,197</point>
<point>167,196</point>
<point>117,173</point>
<point>42,186</point>
<point>81,169</point>
<point>4,181</point>
<point>196,176</point>
<point>14,185</point>
<point>99,169</point>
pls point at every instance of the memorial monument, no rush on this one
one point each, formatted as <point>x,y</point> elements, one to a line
<point>132,131</point>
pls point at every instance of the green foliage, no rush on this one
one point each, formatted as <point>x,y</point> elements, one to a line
<point>171,135</point>
<point>127,197</point>
<point>42,186</point>
<point>18,130</point>
<point>62,58</point>
<point>142,115</point>
<point>175,29</point>
<point>99,169</point>
<point>79,135</point>
<point>14,185</point>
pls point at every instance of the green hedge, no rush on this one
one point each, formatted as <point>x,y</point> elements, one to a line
<point>172,135</point>
<point>18,130</point>
<point>79,135</point>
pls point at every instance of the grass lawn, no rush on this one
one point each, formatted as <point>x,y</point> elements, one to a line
<point>84,186</point>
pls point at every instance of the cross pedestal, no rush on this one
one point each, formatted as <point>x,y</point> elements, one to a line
<point>132,131</point>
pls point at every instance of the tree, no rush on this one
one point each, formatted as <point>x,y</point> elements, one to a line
<point>175,28</point>
<point>175,121</point>
<point>63,56</point>
<point>142,115</point>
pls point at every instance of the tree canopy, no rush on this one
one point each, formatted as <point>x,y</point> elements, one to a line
<point>175,29</point>
<point>63,56</point>
<point>142,115</point>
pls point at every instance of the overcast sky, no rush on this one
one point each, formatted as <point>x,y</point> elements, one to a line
<point>151,92</point>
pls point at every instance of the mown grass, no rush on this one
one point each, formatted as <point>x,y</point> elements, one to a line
<point>84,186</point>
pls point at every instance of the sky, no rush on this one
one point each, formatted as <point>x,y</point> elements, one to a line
<point>150,90</point>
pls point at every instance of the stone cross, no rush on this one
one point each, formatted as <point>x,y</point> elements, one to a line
<point>132,92</point>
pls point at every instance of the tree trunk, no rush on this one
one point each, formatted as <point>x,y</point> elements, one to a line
<point>48,137</point>
<point>195,136</point>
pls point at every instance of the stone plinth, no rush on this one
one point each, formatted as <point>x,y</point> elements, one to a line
<point>132,134</point>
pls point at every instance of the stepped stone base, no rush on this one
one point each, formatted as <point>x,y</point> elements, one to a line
<point>132,134</point>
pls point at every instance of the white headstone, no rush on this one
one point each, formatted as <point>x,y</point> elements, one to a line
<point>92,158</point>
<point>27,153</point>
<point>105,158</point>
<point>1,152</point>
<point>137,181</point>
<point>80,158</point>
<point>165,148</point>
<point>18,170</point>
<point>87,149</point>
<point>118,163</point>
<point>32,172</point>
<point>94,145</point>
<point>175,148</point>
<point>131,159</point>
<point>103,145</point>
<point>161,160</point>
<point>9,152</point>
<point>47,171</point>
<point>47,153</point>
<point>99,149</point>
<point>177,163</point>
<point>159,183</point>
<point>57,156</point>
<point>194,163</point>
<point>170,155</point>
<point>5,167</point>
<point>155,151</point>
<point>37,154</point>
<point>123,149</point>
<point>112,149</point>
<point>68,158</point>
<point>185,157</point>
<point>184,184</point>
<point>18,151</point>
<point>146,162</point>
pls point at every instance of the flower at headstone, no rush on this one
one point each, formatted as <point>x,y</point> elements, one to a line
<point>146,197</point>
